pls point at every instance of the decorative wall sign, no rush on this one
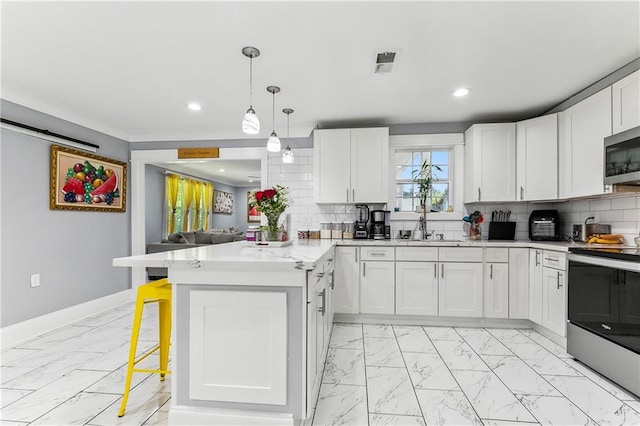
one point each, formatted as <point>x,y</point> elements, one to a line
<point>253,215</point>
<point>222,202</point>
<point>185,153</point>
<point>82,181</point>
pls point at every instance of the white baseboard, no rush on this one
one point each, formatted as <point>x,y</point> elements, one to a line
<point>188,415</point>
<point>26,330</point>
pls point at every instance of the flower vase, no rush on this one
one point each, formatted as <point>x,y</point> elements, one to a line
<point>474,231</point>
<point>272,227</point>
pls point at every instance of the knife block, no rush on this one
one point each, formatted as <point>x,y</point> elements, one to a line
<point>502,231</point>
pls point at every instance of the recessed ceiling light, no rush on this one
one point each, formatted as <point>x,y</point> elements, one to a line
<point>250,180</point>
<point>222,170</point>
<point>194,106</point>
<point>463,91</point>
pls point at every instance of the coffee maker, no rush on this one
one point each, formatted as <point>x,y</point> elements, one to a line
<point>378,222</point>
<point>362,230</point>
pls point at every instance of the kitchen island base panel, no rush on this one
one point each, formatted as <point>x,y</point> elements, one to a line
<point>195,416</point>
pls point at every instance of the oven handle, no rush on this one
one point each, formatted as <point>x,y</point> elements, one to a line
<point>606,262</point>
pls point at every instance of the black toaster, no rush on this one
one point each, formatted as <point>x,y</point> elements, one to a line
<point>544,225</point>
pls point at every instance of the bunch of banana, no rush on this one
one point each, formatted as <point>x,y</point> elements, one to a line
<point>606,239</point>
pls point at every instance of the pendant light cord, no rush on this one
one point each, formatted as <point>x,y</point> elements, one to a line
<point>251,82</point>
<point>273,112</point>
<point>288,127</point>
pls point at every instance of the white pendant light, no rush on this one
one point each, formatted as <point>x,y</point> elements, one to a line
<point>250,121</point>
<point>287,155</point>
<point>273,143</point>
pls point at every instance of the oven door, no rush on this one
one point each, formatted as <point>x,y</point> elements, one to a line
<point>604,298</point>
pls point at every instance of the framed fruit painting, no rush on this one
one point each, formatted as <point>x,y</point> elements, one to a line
<point>83,181</point>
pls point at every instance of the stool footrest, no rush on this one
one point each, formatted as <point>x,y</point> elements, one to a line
<point>142,370</point>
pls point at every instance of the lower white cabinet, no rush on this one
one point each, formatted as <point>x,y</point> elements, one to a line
<point>377,287</point>
<point>535,286</point>
<point>417,288</point>
<point>460,289</point>
<point>519,283</point>
<point>346,290</point>
<point>496,290</point>
<point>315,341</point>
<point>554,301</point>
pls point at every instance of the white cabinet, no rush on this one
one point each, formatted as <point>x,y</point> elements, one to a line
<point>496,283</point>
<point>460,281</point>
<point>537,158</point>
<point>417,288</point>
<point>582,129</point>
<point>349,165</point>
<point>626,102</point>
<point>346,291</point>
<point>490,162</point>
<point>554,299</point>
<point>535,286</point>
<point>519,283</point>
<point>377,280</point>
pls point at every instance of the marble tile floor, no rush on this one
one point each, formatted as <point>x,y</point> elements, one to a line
<point>75,375</point>
<point>413,375</point>
<point>374,375</point>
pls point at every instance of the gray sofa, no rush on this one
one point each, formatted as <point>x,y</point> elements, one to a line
<point>183,240</point>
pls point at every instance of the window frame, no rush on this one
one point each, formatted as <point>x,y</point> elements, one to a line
<point>449,141</point>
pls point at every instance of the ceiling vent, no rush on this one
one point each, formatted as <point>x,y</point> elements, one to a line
<point>384,62</point>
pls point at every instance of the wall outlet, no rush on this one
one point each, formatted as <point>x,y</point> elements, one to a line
<point>35,280</point>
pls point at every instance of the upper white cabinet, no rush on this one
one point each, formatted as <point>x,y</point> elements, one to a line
<point>582,129</point>
<point>350,165</point>
<point>490,162</point>
<point>626,102</point>
<point>537,154</point>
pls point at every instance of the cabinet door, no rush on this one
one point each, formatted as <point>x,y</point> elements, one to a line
<point>554,305</point>
<point>535,286</point>
<point>417,288</point>
<point>313,379</point>
<point>493,162</point>
<point>519,283</point>
<point>346,291</point>
<point>369,165</point>
<point>626,103</point>
<point>460,289</point>
<point>332,166</point>
<point>582,130</point>
<point>377,287</point>
<point>537,152</point>
<point>496,290</point>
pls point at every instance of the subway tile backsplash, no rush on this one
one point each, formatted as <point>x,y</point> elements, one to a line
<point>621,211</point>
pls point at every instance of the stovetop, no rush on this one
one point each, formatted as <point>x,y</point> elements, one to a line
<point>627,253</point>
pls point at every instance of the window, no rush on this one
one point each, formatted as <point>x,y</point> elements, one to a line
<point>188,204</point>
<point>408,163</point>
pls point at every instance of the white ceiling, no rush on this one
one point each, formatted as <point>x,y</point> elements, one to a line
<point>238,173</point>
<point>129,68</point>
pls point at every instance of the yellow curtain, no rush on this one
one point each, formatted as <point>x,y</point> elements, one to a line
<point>187,195</point>
<point>172,182</point>
<point>197,199</point>
<point>208,193</point>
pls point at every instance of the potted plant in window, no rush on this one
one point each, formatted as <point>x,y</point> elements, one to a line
<point>424,178</point>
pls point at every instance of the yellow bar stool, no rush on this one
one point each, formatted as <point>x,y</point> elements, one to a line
<point>154,292</point>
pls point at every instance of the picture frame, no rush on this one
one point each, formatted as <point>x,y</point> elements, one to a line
<point>253,215</point>
<point>82,181</point>
<point>222,202</point>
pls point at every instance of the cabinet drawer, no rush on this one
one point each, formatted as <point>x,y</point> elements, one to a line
<point>460,254</point>
<point>427,254</point>
<point>377,253</point>
<point>554,259</point>
<point>497,255</point>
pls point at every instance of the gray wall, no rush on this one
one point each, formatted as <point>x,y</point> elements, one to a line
<point>221,220</point>
<point>154,203</point>
<point>72,251</point>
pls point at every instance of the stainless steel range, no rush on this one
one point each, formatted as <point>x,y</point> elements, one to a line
<point>604,312</point>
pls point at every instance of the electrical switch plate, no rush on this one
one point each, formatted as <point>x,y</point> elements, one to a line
<point>35,280</point>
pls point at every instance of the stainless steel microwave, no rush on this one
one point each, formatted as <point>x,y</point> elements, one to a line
<point>622,158</point>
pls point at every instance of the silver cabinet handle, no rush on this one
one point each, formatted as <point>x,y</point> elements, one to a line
<point>331,280</point>
<point>356,254</point>
<point>364,269</point>
<point>559,278</point>
<point>537,257</point>
<point>551,259</point>
<point>347,195</point>
<point>491,271</point>
<point>322,294</point>
<point>353,195</point>
<point>442,270</point>
<point>435,270</point>
<point>521,193</point>
<point>478,193</point>
<point>377,253</point>
<point>320,274</point>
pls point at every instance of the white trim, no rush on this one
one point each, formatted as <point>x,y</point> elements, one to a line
<point>21,332</point>
<point>185,415</point>
<point>431,140</point>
